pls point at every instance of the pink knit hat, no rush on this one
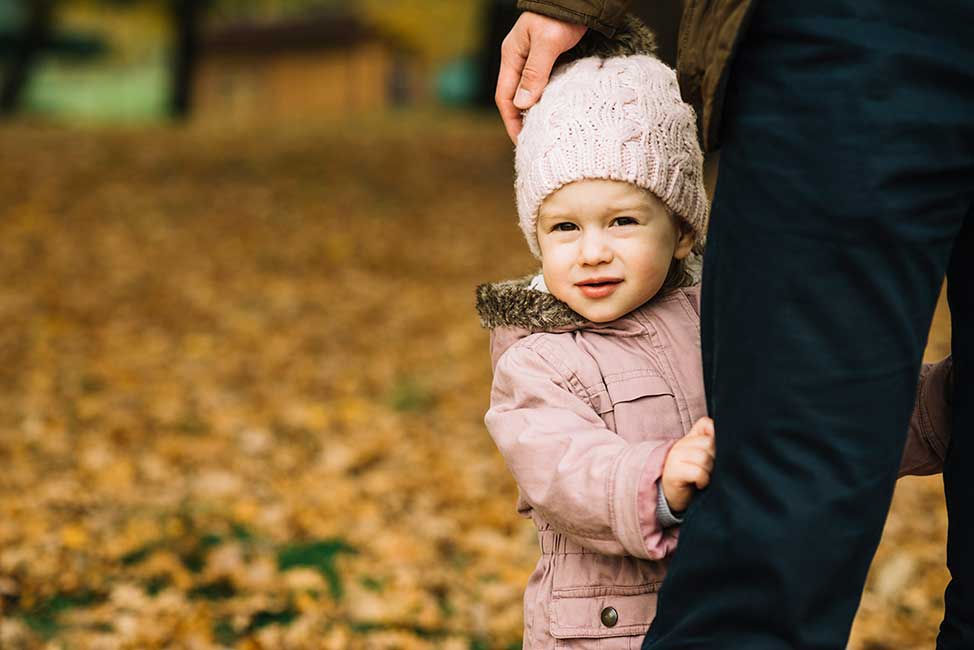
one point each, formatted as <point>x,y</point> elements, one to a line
<point>618,118</point>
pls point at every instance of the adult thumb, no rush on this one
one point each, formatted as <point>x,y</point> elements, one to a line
<point>534,76</point>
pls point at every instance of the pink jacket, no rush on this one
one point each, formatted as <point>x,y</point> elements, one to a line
<point>584,415</point>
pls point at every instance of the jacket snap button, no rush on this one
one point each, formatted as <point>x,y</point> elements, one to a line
<point>610,617</point>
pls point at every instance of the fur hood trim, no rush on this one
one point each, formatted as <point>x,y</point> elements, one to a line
<point>633,37</point>
<point>514,303</point>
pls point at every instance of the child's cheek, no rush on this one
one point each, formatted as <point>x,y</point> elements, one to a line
<point>555,281</point>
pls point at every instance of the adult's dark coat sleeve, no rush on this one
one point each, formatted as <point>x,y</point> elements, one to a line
<point>604,16</point>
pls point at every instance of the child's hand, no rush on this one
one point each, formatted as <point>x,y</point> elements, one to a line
<point>688,465</point>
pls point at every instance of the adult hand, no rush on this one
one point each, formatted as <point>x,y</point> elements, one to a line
<point>688,465</point>
<point>527,56</point>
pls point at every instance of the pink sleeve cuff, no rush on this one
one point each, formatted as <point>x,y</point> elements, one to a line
<point>634,501</point>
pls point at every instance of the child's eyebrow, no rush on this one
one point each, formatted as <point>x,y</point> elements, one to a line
<point>554,215</point>
<point>630,203</point>
<point>621,206</point>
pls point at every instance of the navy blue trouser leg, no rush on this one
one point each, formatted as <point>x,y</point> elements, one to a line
<point>846,176</point>
<point>957,630</point>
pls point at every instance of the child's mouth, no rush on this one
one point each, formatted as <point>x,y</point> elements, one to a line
<point>599,288</point>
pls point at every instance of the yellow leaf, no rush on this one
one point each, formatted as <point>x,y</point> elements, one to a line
<point>74,536</point>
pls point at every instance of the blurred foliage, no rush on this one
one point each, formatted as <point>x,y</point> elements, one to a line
<point>438,29</point>
<point>135,30</point>
<point>241,396</point>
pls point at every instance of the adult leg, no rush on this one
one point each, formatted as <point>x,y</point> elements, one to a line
<point>957,630</point>
<point>844,180</point>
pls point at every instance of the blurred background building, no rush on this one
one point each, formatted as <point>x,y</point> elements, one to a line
<point>300,68</point>
<point>238,61</point>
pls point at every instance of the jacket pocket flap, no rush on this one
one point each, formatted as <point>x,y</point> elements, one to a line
<point>577,613</point>
<point>626,390</point>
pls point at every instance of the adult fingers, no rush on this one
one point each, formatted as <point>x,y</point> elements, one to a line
<point>527,55</point>
<point>514,52</point>
<point>536,71</point>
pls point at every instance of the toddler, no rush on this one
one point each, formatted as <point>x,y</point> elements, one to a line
<point>597,403</point>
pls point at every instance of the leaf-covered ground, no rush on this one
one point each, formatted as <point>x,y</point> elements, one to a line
<point>241,396</point>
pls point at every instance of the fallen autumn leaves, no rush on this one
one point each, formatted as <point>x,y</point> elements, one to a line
<point>241,396</point>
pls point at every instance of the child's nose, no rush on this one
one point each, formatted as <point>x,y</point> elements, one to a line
<point>595,249</point>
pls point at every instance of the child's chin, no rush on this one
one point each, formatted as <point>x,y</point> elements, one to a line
<point>598,315</point>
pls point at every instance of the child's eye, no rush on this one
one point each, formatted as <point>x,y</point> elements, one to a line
<point>625,221</point>
<point>564,226</point>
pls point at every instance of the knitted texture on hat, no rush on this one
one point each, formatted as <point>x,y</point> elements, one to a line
<point>617,118</point>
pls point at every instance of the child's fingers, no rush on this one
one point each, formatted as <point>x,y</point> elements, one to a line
<point>705,443</point>
<point>699,458</point>
<point>702,481</point>
<point>702,427</point>
<point>692,473</point>
<point>697,475</point>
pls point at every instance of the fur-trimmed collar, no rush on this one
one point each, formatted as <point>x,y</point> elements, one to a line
<point>516,304</point>
<point>513,303</point>
<point>512,310</point>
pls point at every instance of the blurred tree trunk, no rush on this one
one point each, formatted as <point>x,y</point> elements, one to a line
<point>33,37</point>
<point>186,18</point>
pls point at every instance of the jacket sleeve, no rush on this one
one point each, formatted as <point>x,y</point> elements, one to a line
<point>586,481</point>
<point>604,16</point>
<point>929,433</point>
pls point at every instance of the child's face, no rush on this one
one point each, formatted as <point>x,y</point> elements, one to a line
<point>606,246</point>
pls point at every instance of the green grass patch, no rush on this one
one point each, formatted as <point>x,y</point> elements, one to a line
<point>193,554</point>
<point>192,547</point>
<point>139,555</point>
<point>43,619</point>
<point>156,584</point>
<point>319,555</point>
<point>410,395</point>
<point>241,532</point>
<point>264,618</point>
<point>216,590</point>
<point>372,584</point>
<point>443,601</point>
<point>225,634</point>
